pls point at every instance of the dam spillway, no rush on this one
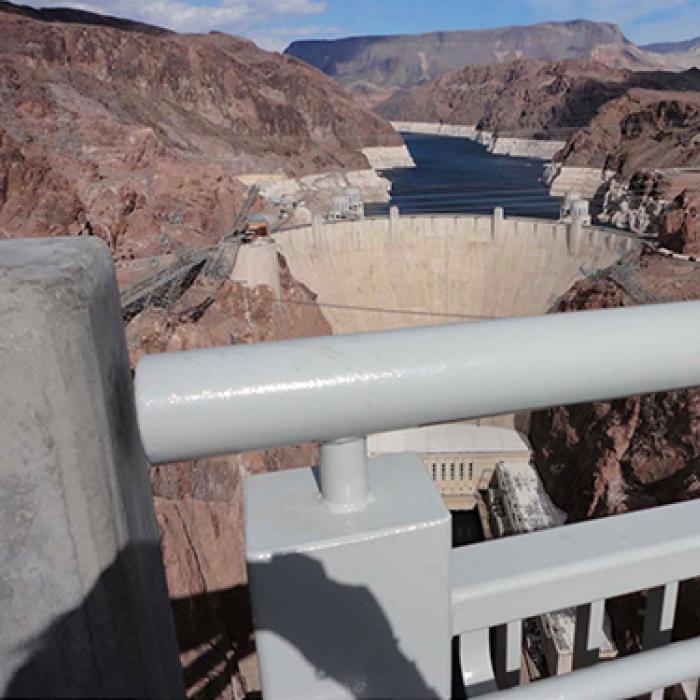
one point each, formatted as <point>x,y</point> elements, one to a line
<point>401,271</point>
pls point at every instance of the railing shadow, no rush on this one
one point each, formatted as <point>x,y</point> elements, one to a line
<point>216,630</point>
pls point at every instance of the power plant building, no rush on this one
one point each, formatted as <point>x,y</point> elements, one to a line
<point>461,458</point>
<point>522,505</point>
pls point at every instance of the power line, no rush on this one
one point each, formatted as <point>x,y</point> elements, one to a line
<point>385,310</point>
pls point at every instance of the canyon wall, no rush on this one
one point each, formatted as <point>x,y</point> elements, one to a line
<point>140,137</point>
<point>638,452</point>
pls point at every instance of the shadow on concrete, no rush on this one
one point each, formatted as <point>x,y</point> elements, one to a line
<point>109,645</point>
<point>117,643</point>
<point>340,629</point>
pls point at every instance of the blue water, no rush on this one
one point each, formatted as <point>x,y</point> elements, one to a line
<point>458,175</point>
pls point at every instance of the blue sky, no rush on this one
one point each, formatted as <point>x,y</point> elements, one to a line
<point>274,23</point>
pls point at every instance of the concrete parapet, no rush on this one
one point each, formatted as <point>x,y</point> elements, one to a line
<point>84,610</point>
<point>497,223</point>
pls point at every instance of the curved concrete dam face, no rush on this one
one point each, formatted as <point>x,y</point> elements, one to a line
<point>421,270</point>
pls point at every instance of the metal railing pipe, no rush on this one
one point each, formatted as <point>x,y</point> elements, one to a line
<point>221,400</point>
<point>628,677</point>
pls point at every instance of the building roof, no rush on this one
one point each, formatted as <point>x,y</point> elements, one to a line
<point>450,437</point>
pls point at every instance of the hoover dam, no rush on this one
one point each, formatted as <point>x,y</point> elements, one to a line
<point>400,271</point>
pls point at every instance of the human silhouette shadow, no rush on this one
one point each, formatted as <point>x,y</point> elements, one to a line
<point>340,629</point>
<point>117,642</point>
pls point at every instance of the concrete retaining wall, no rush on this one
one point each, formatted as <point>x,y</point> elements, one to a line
<point>256,264</point>
<point>388,157</point>
<point>585,181</point>
<point>460,131</point>
<point>421,270</point>
<point>526,148</point>
<point>84,610</point>
<point>499,145</point>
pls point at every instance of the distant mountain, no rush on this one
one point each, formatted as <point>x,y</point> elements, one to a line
<point>381,62</point>
<point>683,54</point>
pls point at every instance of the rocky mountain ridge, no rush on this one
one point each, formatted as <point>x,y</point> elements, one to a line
<point>76,16</point>
<point>527,96</point>
<point>682,54</point>
<point>140,138</point>
<point>372,65</point>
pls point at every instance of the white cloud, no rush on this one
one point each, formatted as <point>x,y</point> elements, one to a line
<point>236,16</point>
<point>278,38</point>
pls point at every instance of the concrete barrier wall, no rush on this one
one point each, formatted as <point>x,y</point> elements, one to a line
<point>421,270</point>
<point>84,610</point>
<point>457,130</point>
<point>388,157</point>
<point>526,148</point>
<point>585,181</point>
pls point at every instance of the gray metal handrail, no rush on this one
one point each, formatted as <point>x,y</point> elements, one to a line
<point>222,400</point>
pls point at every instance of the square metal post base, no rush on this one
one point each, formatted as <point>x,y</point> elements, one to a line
<point>350,605</point>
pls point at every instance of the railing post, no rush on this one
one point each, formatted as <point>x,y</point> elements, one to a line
<point>588,634</point>
<point>349,570</point>
<point>343,474</point>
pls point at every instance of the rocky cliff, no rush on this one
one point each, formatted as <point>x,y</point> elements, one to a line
<point>640,130</point>
<point>528,97</point>
<point>139,136</point>
<point>375,63</point>
<point>649,139</point>
<point>618,456</point>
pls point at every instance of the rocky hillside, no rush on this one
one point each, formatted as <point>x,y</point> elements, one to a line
<point>527,97</point>
<point>618,456</point>
<point>683,54</point>
<point>381,62</point>
<point>642,129</point>
<point>139,136</point>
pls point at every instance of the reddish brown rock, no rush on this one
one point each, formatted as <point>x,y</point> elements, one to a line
<point>617,456</point>
<point>679,226</point>
<point>643,129</point>
<point>138,136</point>
<point>528,97</point>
